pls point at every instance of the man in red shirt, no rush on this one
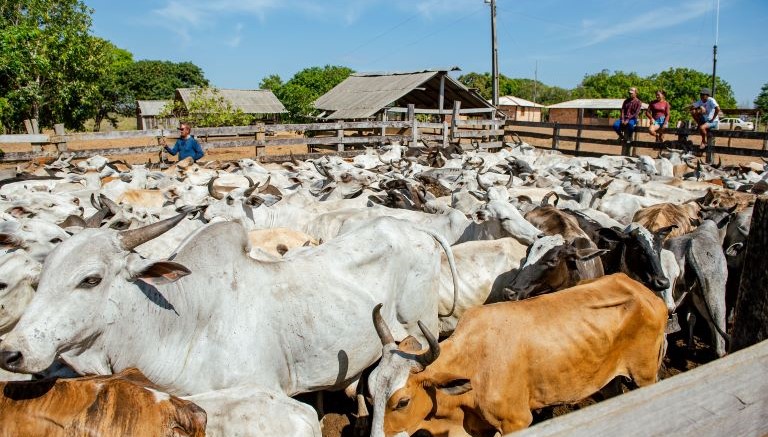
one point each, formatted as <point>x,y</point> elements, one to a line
<point>630,109</point>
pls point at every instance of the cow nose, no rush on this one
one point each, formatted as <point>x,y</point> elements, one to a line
<point>660,284</point>
<point>10,360</point>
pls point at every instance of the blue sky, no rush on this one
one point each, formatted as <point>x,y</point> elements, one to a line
<point>239,42</point>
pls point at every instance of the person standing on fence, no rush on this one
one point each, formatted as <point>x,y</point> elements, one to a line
<point>186,146</point>
<point>706,113</point>
<point>630,109</point>
<point>658,113</point>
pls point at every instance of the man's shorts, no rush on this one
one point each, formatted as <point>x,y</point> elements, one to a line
<point>659,121</point>
<point>712,124</point>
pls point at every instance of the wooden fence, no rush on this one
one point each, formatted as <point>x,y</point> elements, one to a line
<point>719,141</point>
<point>483,131</point>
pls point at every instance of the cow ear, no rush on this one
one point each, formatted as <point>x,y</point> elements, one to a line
<point>735,249</point>
<point>157,272</point>
<point>588,254</point>
<point>611,234</point>
<point>663,232</point>
<point>452,385</point>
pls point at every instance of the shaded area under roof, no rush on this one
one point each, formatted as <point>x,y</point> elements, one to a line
<point>591,104</point>
<point>249,101</point>
<point>151,107</point>
<point>363,95</point>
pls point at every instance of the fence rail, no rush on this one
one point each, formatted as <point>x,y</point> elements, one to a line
<point>681,133</point>
<point>338,136</point>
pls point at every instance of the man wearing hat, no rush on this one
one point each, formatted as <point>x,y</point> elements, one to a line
<point>706,112</point>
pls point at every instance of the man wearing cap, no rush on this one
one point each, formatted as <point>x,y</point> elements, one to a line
<point>186,146</point>
<point>706,112</point>
<point>630,109</point>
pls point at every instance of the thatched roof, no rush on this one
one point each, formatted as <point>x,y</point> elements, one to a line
<point>362,95</point>
<point>249,101</point>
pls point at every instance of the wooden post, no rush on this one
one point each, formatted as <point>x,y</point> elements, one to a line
<point>261,137</point>
<point>710,145</point>
<point>61,143</point>
<point>340,137</point>
<point>35,127</point>
<point>445,133</point>
<point>441,97</point>
<point>454,117</point>
<point>556,136</point>
<point>412,120</point>
<point>578,132</point>
<point>28,126</point>
<point>384,117</point>
<point>750,324</point>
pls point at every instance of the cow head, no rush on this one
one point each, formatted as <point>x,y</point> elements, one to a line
<point>509,220</point>
<point>637,253</point>
<point>550,265</point>
<point>19,274</point>
<point>405,392</point>
<point>85,282</point>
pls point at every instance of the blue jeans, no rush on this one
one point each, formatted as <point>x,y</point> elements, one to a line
<point>630,126</point>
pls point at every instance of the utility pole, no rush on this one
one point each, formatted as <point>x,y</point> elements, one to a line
<point>714,48</point>
<point>494,54</point>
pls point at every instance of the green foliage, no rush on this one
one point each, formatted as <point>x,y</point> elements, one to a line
<point>113,97</point>
<point>207,108</point>
<point>300,92</point>
<point>761,102</point>
<point>49,64</point>
<point>524,88</point>
<point>158,80</point>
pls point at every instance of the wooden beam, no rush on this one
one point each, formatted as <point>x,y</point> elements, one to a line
<point>750,324</point>
<point>24,138</point>
<point>726,397</point>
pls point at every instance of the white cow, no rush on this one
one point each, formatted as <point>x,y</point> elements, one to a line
<point>211,318</point>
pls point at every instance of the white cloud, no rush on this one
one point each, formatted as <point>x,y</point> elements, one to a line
<point>238,37</point>
<point>658,18</point>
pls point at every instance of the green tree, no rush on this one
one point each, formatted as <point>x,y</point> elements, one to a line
<point>271,82</point>
<point>761,102</point>
<point>113,97</point>
<point>480,82</point>
<point>301,91</point>
<point>158,80</point>
<point>49,64</point>
<point>207,108</point>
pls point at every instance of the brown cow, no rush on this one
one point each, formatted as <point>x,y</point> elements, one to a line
<point>125,404</point>
<point>509,358</point>
<point>657,217</point>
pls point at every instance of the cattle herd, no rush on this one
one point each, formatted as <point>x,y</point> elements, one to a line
<point>453,292</point>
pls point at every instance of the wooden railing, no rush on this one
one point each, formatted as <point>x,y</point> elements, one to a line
<point>715,141</point>
<point>338,136</point>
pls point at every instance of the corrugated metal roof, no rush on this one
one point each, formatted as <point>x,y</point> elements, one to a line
<point>591,104</point>
<point>517,101</point>
<point>151,107</point>
<point>362,95</point>
<point>249,101</point>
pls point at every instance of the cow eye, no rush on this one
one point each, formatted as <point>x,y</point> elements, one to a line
<point>3,286</point>
<point>402,403</point>
<point>55,240</point>
<point>90,282</point>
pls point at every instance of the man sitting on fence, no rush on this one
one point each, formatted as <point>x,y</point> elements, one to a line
<point>630,109</point>
<point>706,113</point>
<point>186,146</point>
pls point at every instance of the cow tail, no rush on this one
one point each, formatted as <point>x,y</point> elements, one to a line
<point>451,263</point>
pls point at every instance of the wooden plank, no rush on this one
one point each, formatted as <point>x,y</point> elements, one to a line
<point>117,135</point>
<point>478,133</point>
<point>726,397</point>
<point>24,138</point>
<point>305,156</point>
<point>751,312</point>
<point>479,123</point>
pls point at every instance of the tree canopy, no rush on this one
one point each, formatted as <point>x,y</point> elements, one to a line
<point>761,102</point>
<point>158,80</point>
<point>300,92</point>
<point>524,88</point>
<point>207,108</point>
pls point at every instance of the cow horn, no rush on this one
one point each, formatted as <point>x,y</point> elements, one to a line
<point>250,181</point>
<point>510,182</point>
<point>212,191</point>
<point>94,221</point>
<point>545,199</point>
<point>381,327</point>
<point>431,355</point>
<point>719,163</point>
<point>265,185</point>
<point>481,184</point>
<point>135,237</point>
<point>106,201</point>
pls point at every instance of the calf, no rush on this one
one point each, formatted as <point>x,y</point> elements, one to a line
<point>125,404</point>
<point>509,358</point>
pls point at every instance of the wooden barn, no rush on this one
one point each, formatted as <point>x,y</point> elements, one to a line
<point>519,109</point>
<point>595,112</point>
<point>147,115</point>
<point>381,96</point>
<point>262,104</point>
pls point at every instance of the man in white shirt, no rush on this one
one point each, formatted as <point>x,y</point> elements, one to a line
<point>706,112</point>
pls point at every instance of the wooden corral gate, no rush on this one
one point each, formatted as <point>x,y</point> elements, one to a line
<point>465,126</point>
